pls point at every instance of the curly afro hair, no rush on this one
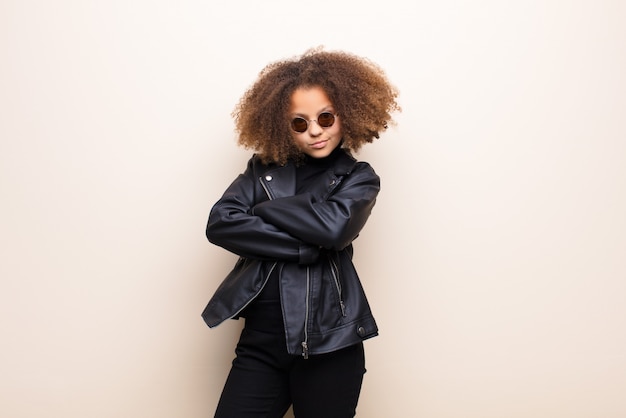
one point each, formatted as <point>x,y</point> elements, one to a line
<point>358,89</point>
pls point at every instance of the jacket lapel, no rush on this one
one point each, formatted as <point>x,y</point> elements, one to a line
<point>280,181</point>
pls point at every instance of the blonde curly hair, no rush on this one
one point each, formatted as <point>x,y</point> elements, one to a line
<point>358,89</point>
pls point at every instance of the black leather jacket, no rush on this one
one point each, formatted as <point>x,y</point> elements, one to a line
<point>306,238</point>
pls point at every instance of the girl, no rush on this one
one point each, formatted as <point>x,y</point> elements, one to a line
<point>291,217</point>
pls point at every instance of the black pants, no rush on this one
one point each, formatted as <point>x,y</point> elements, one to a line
<point>264,380</point>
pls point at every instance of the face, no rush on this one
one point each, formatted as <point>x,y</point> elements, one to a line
<point>316,141</point>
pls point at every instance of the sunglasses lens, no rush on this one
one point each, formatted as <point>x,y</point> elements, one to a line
<point>326,119</point>
<point>299,125</point>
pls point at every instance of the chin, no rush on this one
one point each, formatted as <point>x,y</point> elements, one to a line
<point>320,153</point>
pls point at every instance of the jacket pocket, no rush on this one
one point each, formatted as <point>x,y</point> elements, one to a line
<point>334,271</point>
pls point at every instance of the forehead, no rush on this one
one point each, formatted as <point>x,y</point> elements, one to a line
<point>309,100</point>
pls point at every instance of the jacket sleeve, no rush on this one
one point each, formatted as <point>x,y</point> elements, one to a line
<point>331,223</point>
<point>232,227</point>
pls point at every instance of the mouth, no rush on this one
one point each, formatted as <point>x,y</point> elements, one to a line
<point>319,144</point>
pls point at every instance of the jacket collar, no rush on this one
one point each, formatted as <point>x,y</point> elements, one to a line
<point>344,164</point>
<point>280,181</point>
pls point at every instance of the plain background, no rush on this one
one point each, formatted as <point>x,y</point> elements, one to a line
<point>494,260</point>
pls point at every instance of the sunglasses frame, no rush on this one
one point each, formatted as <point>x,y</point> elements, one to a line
<point>307,121</point>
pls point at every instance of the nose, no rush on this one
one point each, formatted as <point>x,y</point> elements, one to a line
<point>314,128</point>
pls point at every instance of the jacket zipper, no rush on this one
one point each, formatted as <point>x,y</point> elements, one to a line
<point>305,343</point>
<point>257,293</point>
<point>335,272</point>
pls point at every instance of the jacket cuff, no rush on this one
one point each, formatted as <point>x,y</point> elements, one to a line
<point>308,253</point>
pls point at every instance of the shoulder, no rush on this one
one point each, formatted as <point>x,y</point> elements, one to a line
<point>364,172</point>
<point>256,165</point>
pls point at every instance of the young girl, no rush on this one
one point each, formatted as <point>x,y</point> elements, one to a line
<point>291,218</point>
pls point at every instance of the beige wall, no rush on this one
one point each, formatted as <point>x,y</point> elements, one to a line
<point>494,260</point>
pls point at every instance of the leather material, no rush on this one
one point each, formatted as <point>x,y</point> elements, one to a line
<point>308,238</point>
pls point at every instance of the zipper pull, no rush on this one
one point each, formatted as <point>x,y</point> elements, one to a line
<point>305,350</point>
<point>343,308</point>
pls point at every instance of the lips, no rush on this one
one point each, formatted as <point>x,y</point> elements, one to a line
<point>319,144</point>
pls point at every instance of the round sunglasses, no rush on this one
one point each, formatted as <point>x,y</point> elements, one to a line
<point>324,120</point>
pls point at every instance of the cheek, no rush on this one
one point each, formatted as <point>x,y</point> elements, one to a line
<point>297,140</point>
<point>337,128</point>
